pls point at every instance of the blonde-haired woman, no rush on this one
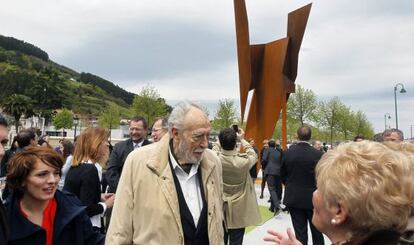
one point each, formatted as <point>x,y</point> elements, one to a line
<point>365,195</point>
<point>84,177</point>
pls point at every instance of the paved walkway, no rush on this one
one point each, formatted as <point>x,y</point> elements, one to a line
<point>280,223</point>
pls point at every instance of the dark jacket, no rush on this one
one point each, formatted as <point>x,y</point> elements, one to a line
<point>72,225</point>
<point>384,237</point>
<point>4,161</point>
<point>116,162</point>
<point>298,169</point>
<point>272,159</point>
<point>4,225</point>
<point>83,182</point>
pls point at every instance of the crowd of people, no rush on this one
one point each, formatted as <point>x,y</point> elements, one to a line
<point>179,188</point>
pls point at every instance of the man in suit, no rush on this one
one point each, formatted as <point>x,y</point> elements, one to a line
<point>299,171</point>
<point>272,159</point>
<point>138,132</point>
<point>263,184</point>
<point>170,192</point>
<point>240,204</point>
<point>4,228</point>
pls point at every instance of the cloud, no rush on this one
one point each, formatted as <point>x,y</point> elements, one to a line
<point>355,50</point>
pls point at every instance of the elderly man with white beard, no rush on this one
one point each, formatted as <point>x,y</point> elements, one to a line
<point>171,192</point>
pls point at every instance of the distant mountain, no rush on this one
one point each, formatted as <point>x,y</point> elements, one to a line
<point>26,69</point>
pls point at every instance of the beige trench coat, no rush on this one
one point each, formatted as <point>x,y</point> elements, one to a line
<point>146,209</point>
<point>240,203</point>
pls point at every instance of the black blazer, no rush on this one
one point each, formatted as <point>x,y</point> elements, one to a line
<point>83,182</point>
<point>272,159</point>
<point>298,169</point>
<point>116,162</point>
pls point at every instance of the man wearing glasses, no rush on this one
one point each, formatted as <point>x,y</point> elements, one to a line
<point>171,192</point>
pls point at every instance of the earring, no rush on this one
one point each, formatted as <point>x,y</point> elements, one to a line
<point>333,221</point>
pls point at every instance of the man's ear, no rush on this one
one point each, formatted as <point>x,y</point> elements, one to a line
<point>174,132</point>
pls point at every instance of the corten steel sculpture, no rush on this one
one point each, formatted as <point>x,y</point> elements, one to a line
<point>269,70</point>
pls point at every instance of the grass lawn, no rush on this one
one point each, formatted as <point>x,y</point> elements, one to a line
<point>265,214</point>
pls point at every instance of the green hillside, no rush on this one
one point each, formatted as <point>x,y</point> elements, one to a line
<point>26,69</point>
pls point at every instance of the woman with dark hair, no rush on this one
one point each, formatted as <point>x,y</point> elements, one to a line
<point>67,152</point>
<point>38,213</point>
<point>85,175</point>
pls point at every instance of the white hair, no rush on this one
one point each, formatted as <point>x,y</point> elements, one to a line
<point>178,114</point>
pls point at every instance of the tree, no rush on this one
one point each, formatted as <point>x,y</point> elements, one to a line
<point>362,126</point>
<point>329,112</point>
<point>226,114</point>
<point>63,120</point>
<point>110,117</point>
<point>17,105</point>
<point>149,104</point>
<point>345,121</point>
<point>302,104</point>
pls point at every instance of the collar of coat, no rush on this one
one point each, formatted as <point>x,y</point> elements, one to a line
<point>158,160</point>
<point>229,152</point>
<point>68,207</point>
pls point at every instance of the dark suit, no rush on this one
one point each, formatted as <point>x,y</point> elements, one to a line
<point>272,158</point>
<point>299,171</point>
<point>116,162</point>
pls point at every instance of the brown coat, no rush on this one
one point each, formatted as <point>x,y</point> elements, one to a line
<point>146,209</point>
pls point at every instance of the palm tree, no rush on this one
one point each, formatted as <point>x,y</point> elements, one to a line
<point>17,105</point>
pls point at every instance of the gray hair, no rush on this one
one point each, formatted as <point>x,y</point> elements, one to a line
<point>388,132</point>
<point>178,114</point>
<point>164,122</point>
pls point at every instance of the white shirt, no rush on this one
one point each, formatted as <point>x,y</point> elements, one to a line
<point>137,145</point>
<point>190,185</point>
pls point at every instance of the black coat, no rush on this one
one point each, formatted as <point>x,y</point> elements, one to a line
<point>72,225</point>
<point>272,159</point>
<point>298,169</point>
<point>83,182</point>
<point>4,226</point>
<point>116,162</point>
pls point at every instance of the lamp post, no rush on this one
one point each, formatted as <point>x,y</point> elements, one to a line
<point>385,119</point>
<point>395,100</point>
<point>76,123</point>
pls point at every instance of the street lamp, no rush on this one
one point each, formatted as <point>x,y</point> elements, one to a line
<point>385,119</point>
<point>395,100</point>
<point>76,123</point>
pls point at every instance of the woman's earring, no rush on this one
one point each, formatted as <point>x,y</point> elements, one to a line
<point>333,221</point>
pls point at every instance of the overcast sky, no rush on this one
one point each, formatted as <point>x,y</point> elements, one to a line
<point>357,50</point>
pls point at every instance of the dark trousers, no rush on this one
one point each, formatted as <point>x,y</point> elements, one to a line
<point>300,218</point>
<point>235,236</point>
<point>275,188</point>
<point>263,182</point>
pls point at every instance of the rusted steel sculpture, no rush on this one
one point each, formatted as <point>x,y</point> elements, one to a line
<point>269,70</point>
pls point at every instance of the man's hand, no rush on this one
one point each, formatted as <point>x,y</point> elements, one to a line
<point>105,196</point>
<point>240,134</point>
